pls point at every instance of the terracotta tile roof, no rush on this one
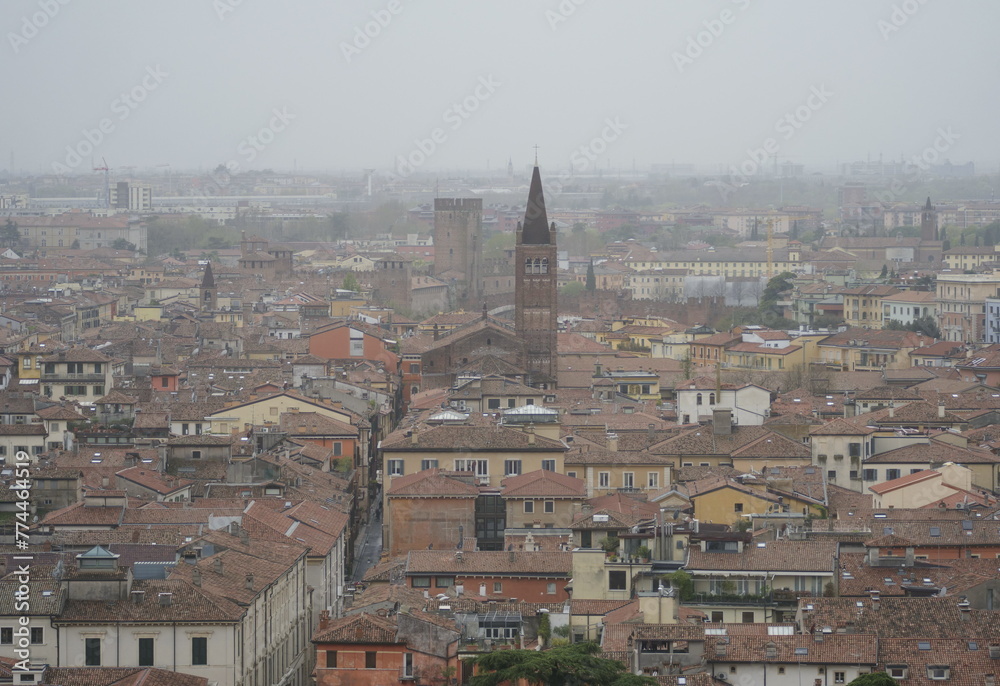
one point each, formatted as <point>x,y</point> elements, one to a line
<point>385,570</point>
<point>116,397</point>
<point>834,649</point>
<point>360,628</point>
<point>580,606</point>
<point>774,445</point>
<point>702,440</point>
<point>164,484</point>
<point>936,531</point>
<point>904,481</point>
<point>543,483</point>
<point>188,604</point>
<point>574,343</point>
<point>119,676</point>
<point>388,593</point>
<point>934,452</point>
<point>843,427</point>
<point>956,577</point>
<point>927,618</point>
<point>265,562</point>
<point>264,522</point>
<point>622,503</point>
<point>968,662</point>
<point>775,556</point>
<point>59,412</point>
<point>315,424</point>
<point>432,483</point>
<point>494,563</point>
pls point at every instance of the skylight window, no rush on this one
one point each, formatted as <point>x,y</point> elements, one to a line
<point>923,645</point>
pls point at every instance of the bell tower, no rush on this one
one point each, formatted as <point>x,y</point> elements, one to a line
<point>928,222</point>
<point>535,288</point>
<point>209,293</point>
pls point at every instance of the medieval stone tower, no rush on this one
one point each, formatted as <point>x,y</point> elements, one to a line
<point>928,222</point>
<point>209,293</point>
<point>458,248</point>
<point>535,293</point>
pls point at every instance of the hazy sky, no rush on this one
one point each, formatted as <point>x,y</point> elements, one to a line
<point>192,83</point>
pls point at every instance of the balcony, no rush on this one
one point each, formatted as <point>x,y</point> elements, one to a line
<point>730,599</point>
<point>784,596</point>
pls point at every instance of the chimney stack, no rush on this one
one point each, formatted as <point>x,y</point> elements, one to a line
<point>324,620</point>
<point>940,411</point>
<point>218,565</point>
<point>249,582</point>
<point>722,421</point>
<point>196,577</point>
<point>612,442</point>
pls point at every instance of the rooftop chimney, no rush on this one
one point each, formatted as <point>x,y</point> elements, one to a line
<point>892,411</point>
<point>722,421</point>
<point>218,565</point>
<point>196,577</point>
<point>940,411</point>
<point>249,582</point>
<point>613,442</point>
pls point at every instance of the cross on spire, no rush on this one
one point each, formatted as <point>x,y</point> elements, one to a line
<point>536,155</point>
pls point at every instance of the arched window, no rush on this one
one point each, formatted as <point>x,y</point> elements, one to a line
<point>527,266</point>
<point>698,399</point>
<point>545,266</point>
<point>711,398</point>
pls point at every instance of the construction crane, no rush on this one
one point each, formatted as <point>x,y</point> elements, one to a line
<point>107,182</point>
<point>770,248</point>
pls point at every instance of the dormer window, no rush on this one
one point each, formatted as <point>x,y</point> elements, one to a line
<point>938,672</point>
<point>897,671</point>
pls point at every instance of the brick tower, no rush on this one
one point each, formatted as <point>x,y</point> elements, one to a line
<point>209,293</point>
<point>458,248</point>
<point>928,222</point>
<point>535,294</point>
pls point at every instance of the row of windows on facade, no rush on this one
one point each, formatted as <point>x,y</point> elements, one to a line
<point>372,661</point>
<point>449,581</point>
<point>71,367</point>
<point>92,647</point>
<point>538,265</point>
<point>477,467</point>
<point>97,391</point>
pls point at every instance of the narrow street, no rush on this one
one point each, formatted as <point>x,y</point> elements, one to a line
<point>369,544</point>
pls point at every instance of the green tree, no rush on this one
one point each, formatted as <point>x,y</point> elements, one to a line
<point>687,364</point>
<point>874,679</point>
<point>682,581</point>
<point>340,225</point>
<point>591,277</point>
<point>544,628</point>
<point>122,244</point>
<point>10,236</point>
<point>927,325</point>
<point>885,272</point>
<point>775,286</point>
<point>572,288</point>
<point>576,664</point>
<point>351,283</point>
